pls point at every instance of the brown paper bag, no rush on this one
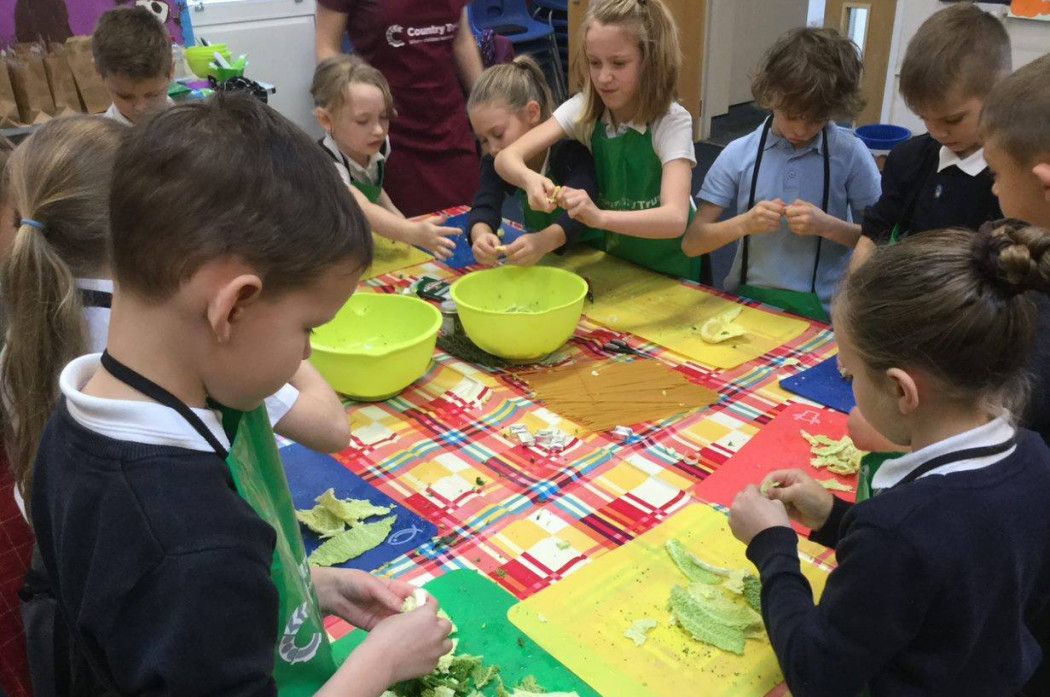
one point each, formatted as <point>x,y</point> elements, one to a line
<point>38,86</point>
<point>93,93</point>
<point>32,94</point>
<point>60,77</point>
<point>9,114</point>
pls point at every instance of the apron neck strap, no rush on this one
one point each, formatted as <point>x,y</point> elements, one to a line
<point>825,199</point>
<point>148,388</point>
<point>957,456</point>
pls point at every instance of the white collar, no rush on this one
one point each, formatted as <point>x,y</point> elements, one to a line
<point>103,285</point>
<point>973,164</point>
<point>369,171</point>
<point>114,113</point>
<point>129,420</point>
<point>612,131</point>
<point>994,432</point>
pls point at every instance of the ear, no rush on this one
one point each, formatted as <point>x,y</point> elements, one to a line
<point>532,113</point>
<point>906,390</point>
<point>226,306</point>
<point>323,118</point>
<point>1042,172</point>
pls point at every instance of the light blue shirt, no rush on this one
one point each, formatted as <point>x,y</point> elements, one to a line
<point>782,259</point>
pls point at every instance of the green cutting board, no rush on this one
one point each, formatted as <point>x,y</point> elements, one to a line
<point>479,608</point>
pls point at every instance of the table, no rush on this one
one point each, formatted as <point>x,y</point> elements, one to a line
<point>428,446</point>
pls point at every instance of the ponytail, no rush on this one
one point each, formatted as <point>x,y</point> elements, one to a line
<point>515,84</point>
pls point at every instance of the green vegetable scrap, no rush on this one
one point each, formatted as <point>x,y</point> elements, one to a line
<point>836,456</point>
<point>330,518</point>
<point>707,613</point>
<point>350,510</point>
<point>322,521</point>
<point>834,485</point>
<point>352,543</point>
<point>709,616</point>
<point>639,630</point>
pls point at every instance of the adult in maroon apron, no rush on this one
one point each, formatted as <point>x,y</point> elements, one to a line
<point>434,161</point>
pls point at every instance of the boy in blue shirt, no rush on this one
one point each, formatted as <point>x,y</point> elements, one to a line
<point>164,519</point>
<point>940,178</point>
<point>797,182</point>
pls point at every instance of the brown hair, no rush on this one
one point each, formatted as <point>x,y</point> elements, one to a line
<point>59,177</point>
<point>951,303</point>
<point>131,41</point>
<point>657,36</point>
<point>261,191</point>
<point>811,74</point>
<point>960,47</point>
<point>1017,113</point>
<point>334,75</point>
<point>514,84</point>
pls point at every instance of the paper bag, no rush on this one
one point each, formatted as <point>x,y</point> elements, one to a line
<point>29,81</point>
<point>89,83</point>
<point>60,77</point>
<point>9,115</point>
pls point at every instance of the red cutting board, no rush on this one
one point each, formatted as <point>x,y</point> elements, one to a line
<point>778,445</point>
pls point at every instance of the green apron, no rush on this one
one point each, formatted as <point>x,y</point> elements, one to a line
<point>805,304</point>
<point>371,191</point>
<point>303,656</point>
<point>869,465</point>
<point>629,178</point>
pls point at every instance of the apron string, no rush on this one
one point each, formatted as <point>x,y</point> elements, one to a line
<point>147,387</point>
<point>825,199</point>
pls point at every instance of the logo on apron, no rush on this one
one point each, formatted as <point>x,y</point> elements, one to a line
<point>392,32</point>
<point>288,649</point>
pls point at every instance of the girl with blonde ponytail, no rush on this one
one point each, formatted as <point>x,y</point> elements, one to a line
<point>58,185</point>
<point>508,101</point>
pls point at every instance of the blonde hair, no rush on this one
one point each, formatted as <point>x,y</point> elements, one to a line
<point>516,84</point>
<point>59,177</point>
<point>333,78</point>
<point>657,35</point>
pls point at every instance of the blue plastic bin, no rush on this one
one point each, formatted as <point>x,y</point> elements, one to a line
<point>881,137</point>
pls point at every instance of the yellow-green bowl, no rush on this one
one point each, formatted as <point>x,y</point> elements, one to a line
<point>520,313</point>
<point>198,58</point>
<point>376,345</point>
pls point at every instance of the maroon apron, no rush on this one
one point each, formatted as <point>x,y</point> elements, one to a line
<point>434,161</point>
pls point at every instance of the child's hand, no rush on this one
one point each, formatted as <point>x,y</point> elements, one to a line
<point>527,249</point>
<point>540,191</point>
<point>804,499</point>
<point>409,645</point>
<point>360,598</point>
<point>752,513</point>
<point>806,219</point>
<point>486,248</point>
<point>764,217</point>
<point>578,204</point>
<point>428,234</point>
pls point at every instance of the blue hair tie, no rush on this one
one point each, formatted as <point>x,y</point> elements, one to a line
<point>36,224</point>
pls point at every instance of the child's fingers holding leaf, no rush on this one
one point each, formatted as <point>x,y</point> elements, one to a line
<point>804,499</point>
<point>486,248</point>
<point>525,251</point>
<point>752,513</point>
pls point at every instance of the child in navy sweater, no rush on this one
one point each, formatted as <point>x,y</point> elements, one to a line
<point>943,576</point>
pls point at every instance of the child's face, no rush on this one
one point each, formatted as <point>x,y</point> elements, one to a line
<point>360,125</point>
<point>797,131</point>
<point>136,98</point>
<point>874,393</point>
<point>269,338</point>
<point>615,64</point>
<point>1022,194</point>
<point>954,122</point>
<point>496,125</point>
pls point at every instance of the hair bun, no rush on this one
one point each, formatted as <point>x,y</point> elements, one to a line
<point>1013,256</point>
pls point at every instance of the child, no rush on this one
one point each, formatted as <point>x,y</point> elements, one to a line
<point>641,139</point>
<point>59,182</point>
<point>133,55</point>
<point>353,104</point>
<point>943,575</point>
<point>508,101</point>
<point>940,178</point>
<point>797,182</point>
<point>166,528</point>
<point>1017,134</point>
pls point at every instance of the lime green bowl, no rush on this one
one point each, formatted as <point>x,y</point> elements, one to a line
<point>198,58</point>
<point>520,313</point>
<point>376,345</point>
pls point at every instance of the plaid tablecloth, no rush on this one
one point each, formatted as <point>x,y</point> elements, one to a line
<point>443,448</point>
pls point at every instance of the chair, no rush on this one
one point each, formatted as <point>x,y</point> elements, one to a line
<point>510,18</point>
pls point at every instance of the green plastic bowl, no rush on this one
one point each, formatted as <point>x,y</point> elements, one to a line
<point>198,58</point>
<point>376,345</point>
<point>520,313</point>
